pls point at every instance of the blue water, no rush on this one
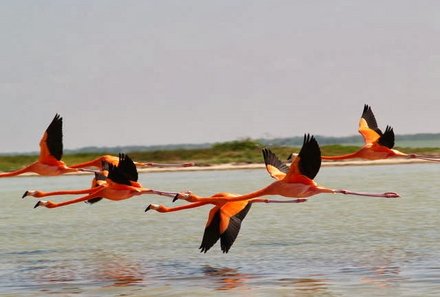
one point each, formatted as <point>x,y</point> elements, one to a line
<point>332,245</point>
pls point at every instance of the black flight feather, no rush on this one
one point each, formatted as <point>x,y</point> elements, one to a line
<point>212,232</point>
<point>309,157</point>
<point>387,138</point>
<point>54,140</point>
<point>369,117</point>
<point>228,237</point>
<point>126,165</point>
<point>94,200</point>
<point>271,159</point>
<point>124,172</point>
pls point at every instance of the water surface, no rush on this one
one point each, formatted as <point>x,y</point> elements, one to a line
<point>333,245</point>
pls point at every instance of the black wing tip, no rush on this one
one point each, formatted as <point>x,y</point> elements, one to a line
<point>271,158</point>
<point>125,172</point>
<point>389,129</point>
<point>225,250</point>
<point>367,111</point>
<point>57,119</point>
<point>93,200</point>
<point>387,138</point>
<point>310,139</point>
<point>204,249</point>
<point>310,156</point>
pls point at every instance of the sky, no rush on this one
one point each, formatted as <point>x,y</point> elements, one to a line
<point>196,71</point>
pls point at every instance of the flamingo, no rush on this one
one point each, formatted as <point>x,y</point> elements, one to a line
<point>114,160</point>
<point>224,220</point>
<point>120,184</point>
<point>100,179</point>
<point>377,145</point>
<point>51,151</point>
<point>295,181</point>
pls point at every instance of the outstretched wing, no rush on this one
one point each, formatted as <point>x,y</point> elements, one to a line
<point>233,213</point>
<point>212,230</point>
<point>387,138</point>
<point>126,165</point>
<point>224,223</point>
<point>124,172</point>
<point>274,166</point>
<point>368,126</point>
<point>308,161</point>
<point>51,144</point>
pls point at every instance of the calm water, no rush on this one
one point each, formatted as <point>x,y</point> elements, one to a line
<point>330,246</point>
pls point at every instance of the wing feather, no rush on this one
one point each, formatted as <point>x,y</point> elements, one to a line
<point>387,138</point>
<point>126,165</point>
<point>308,161</point>
<point>368,126</point>
<point>51,144</point>
<point>274,166</point>
<point>124,172</point>
<point>212,230</point>
<point>228,237</point>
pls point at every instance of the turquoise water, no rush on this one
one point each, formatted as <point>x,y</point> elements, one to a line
<point>333,245</point>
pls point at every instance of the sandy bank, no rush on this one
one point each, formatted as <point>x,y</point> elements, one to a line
<point>231,166</point>
<point>260,166</point>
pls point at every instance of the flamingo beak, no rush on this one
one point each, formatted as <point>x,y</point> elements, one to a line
<point>148,208</point>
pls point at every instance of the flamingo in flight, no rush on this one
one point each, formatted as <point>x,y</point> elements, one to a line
<point>51,151</point>
<point>224,219</point>
<point>97,163</point>
<point>378,145</point>
<point>120,184</point>
<point>295,181</point>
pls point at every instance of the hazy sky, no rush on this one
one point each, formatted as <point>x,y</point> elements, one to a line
<point>165,72</point>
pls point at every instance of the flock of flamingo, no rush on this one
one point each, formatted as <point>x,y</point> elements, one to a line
<point>116,178</point>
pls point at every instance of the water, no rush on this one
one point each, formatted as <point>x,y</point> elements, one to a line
<point>333,245</point>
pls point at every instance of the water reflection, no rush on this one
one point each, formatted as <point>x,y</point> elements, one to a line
<point>382,276</point>
<point>380,268</point>
<point>120,271</point>
<point>307,286</point>
<point>225,278</point>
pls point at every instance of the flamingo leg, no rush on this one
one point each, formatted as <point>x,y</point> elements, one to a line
<point>378,195</point>
<point>163,165</point>
<point>160,193</point>
<point>428,159</point>
<point>162,208</point>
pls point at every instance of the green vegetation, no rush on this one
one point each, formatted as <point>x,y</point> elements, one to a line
<point>240,151</point>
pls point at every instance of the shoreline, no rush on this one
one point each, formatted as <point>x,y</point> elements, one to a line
<point>232,166</point>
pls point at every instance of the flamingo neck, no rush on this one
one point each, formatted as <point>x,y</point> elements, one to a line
<point>186,206</point>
